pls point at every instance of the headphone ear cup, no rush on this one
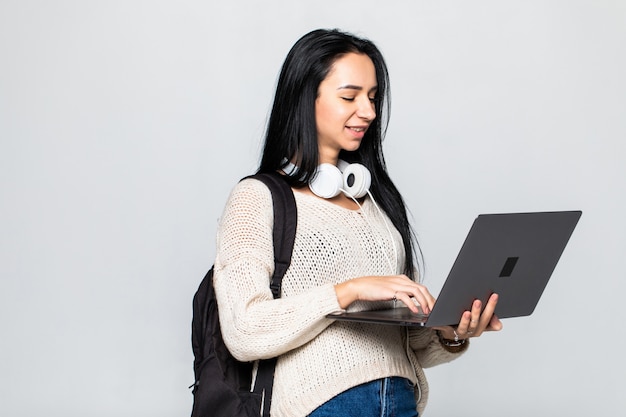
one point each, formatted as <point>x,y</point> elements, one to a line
<point>327,182</point>
<point>356,180</point>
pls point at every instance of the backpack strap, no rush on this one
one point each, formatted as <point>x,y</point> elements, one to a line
<point>285,221</point>
<point>284,234</point>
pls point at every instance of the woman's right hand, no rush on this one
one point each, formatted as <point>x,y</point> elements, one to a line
<point>385,288</point>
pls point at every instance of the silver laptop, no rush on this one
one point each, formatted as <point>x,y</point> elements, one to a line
<point>512,255</point>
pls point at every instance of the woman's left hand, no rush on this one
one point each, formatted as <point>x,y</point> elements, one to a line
<point>474,323</point>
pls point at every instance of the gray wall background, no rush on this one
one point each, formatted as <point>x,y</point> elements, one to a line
<point>124,124</point>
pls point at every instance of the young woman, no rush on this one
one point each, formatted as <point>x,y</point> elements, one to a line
<point>354,248</point>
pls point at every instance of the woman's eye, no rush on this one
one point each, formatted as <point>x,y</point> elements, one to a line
<point>348,98</point>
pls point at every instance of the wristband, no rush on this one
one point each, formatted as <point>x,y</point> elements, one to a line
<point>455,344</point>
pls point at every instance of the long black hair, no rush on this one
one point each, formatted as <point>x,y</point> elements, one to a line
<point>292,131</point>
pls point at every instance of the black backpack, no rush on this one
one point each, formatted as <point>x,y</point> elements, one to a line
<point>223,384</point>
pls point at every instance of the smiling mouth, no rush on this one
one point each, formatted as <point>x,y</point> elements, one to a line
<point>358,129</point>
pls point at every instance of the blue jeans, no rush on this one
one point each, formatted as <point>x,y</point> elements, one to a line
<point>387,397</point>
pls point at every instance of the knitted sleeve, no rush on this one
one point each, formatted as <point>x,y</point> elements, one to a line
<point>428,349</point>
<point>254,325</point>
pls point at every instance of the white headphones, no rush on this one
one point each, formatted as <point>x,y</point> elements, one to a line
<point>354,180</point>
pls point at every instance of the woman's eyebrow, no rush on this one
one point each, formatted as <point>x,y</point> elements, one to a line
<point>356,87</point>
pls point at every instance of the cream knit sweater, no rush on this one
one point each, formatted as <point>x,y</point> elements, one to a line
<point>319,358</point>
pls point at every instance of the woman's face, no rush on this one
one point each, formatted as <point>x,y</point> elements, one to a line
<point>344,107</point>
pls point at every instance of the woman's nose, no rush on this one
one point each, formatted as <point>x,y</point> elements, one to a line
<point>366,109</point>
